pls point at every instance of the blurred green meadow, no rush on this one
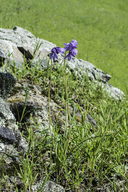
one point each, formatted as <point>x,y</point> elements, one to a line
<point>100,27</point>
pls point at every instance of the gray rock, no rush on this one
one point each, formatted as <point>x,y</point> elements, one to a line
<point>2,58</point>
<point>114,92</point>
<point>39,115</point>
<point>48,187</point>
<point>7,119</point>
<point>7,82</point>
<point>18,43</point>
<point>80,67</point>
<point>10,54</point>
<point>7,135</point>
<point>2,55</point>
<point>10,136</point>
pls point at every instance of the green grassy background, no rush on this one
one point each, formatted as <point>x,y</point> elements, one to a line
<point>100,27</point>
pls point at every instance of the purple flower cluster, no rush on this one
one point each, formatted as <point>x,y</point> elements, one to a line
<point>68,47</point>
<point>55,51</point>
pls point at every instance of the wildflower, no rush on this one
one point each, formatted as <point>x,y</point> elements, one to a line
<point>55,51</point>
<point>71,53</point>
<point>70,46</point>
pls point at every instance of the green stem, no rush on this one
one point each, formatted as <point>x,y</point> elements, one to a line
<point>67,108</point>
<point>66,97</point>
<point>50,78</point>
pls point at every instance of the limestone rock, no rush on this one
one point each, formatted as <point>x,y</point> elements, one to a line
<point>19,44</point>
<point>48,187</point>
<point>11,135</point>
<point>7,82</point>
<point>7,135</point>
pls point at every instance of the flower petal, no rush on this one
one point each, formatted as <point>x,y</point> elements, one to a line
<point>61,50</point>
<point>68,56</point>
<point>74,52</point>
<point>74,42</point>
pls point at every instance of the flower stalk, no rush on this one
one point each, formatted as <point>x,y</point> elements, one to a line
<point>72,52</point>
<point>66,97</point>
<point>49,98</point>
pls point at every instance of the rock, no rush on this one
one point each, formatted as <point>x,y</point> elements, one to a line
<point>19,47</point>
<point>48,187</point>
<point>10,136</point>
<point>2,58</point>
<point>19,43</point>
<point>2,55</point>
<point>80,67</point>
<point>7,135</point>
<point>7,82</point>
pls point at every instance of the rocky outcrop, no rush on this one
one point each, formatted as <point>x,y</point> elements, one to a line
<point>17,47</point>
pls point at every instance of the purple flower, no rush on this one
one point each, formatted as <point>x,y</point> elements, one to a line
<point>61,50</point>
<point>71,53</point>
<point>70,46</point>
<point>55,51</point>
<point>74,52</point>
<point>74,42</point>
